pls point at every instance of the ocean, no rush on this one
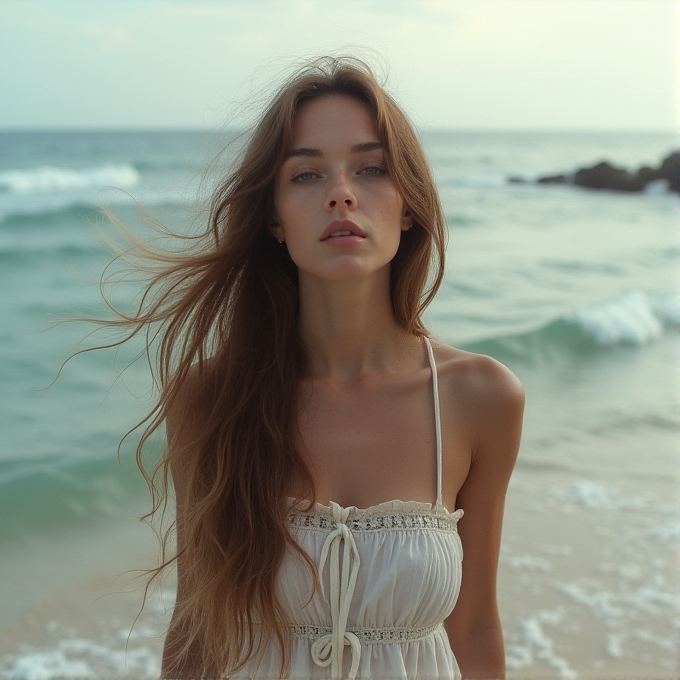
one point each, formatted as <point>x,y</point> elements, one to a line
<point>575,290</point>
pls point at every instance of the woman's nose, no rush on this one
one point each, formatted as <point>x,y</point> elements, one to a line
<point>340,193</point>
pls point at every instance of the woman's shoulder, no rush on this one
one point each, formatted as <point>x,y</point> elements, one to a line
<point>476,378</point>
<point>485,399</point>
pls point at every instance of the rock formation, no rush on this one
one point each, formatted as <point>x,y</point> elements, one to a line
<point>606,176</point>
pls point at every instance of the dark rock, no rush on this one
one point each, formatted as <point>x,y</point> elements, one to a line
<point>608,177</point>
<point>554,179</point>
<point>670,171</point>
<point>646,175</point>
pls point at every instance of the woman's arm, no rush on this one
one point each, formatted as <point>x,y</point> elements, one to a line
<point>495,405</point>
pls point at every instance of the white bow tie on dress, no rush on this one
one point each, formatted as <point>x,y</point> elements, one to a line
<point>329,648</point>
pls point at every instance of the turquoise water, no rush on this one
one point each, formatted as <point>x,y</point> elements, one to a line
<point>576,291</point>
<point>550,280</point>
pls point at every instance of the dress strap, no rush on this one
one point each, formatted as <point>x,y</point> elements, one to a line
<point>437,419</point>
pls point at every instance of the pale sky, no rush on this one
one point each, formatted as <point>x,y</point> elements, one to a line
<point>466,64</point>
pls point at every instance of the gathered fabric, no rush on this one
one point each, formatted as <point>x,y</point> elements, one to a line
<point>389,576</point>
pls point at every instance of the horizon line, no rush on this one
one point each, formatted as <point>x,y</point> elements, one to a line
<point>426,129</point>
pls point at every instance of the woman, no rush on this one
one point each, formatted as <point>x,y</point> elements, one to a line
<point>302,396</point>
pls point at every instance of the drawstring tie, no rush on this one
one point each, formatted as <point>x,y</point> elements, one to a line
<point>329,648</point>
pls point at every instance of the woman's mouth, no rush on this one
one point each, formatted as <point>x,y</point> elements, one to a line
<point>342,228</point>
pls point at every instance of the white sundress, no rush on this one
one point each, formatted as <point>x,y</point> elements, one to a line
<point>390,574</point>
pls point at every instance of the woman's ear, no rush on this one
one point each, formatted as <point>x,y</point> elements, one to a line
<point>275,229</point>
<point>407,221</point>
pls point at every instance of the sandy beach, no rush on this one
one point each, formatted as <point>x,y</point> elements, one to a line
<point>587,585</point>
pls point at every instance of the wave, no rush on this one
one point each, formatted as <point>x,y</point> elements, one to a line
<point>72,211</point>
<point>68,211</point>
<point>627,320</point>
<point>633,319</point>
<point>40,495</point>
<point>48,178</point>
<point>73,252</point>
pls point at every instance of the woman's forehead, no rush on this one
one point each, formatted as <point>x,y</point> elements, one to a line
<point>333,118</point>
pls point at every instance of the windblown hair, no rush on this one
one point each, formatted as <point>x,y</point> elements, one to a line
<point>225,314</point>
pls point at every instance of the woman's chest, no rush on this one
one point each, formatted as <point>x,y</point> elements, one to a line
<point>367,446</point>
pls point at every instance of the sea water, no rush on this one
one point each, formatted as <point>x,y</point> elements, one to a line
<point>574,290</point>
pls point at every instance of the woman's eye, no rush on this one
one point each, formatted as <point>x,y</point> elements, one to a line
<point>373,171</point>
<point>304,176</point>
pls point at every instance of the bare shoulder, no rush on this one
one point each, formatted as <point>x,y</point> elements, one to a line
<point>485,395</point>
<point>477,377</point>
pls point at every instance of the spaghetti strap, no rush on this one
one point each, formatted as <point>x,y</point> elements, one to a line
<point>437,419</point>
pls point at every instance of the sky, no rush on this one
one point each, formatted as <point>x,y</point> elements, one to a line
<point>458,64</point>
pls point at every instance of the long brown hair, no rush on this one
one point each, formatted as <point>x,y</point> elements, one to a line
<point>225,312</point>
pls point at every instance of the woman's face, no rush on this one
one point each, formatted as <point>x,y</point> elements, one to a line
<point>336,206</point>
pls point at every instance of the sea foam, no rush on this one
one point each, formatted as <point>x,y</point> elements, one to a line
<point>629,319</point>
<point>83,658</point>
<point>634,318</point>
<point>47,178</point>
<point>536,645</point>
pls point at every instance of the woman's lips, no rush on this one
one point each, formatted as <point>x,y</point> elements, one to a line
<point>344,239</point>
<point>343,229</point>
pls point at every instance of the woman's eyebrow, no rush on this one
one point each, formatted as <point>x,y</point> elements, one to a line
<point>317,153</point>
<point>366,146</point>
<point>303,151</point>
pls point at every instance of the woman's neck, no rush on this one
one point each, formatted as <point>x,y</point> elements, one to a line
<point>348,328</point>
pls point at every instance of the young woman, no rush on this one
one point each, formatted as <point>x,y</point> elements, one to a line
<point>322,447</point>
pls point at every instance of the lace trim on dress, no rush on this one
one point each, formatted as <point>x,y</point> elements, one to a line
<point>369,635</point>
<point>378,522</point>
